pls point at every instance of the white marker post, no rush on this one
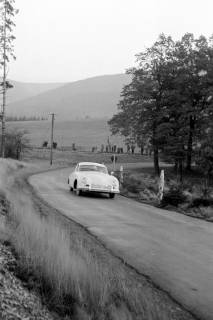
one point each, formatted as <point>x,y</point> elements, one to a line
<point>121,174</point>
<point>161,186</point>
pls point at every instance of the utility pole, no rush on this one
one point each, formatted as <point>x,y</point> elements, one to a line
<point>4,85</point>
<point>51,138</point>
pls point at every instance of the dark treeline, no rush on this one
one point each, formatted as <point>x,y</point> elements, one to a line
<point>16,142</point>
<point>169,102</point>
<point>25,118</point>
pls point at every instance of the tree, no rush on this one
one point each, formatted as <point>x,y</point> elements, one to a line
<point>189,105</point>
<point>142,108</point>
<point>7,13</point>
<point>169,99</point>
<point>194,86</point>
<point>204,157</point>
<point>15,143</point>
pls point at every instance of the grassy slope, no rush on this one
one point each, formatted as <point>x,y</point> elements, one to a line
<point>22,90</point>
<point>96,97</point>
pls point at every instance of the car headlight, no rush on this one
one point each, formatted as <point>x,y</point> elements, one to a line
<point>114,184</point>
<point>84,180</point>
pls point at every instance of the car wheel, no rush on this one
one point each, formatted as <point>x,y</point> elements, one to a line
<point>78,192</point>
<point>112,195</point>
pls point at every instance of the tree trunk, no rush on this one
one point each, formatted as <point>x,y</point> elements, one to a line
<point>155,151</point>
<point>176,166</point>
<point>180,171</point>
<point>189,144</point>
<point>156,160</point>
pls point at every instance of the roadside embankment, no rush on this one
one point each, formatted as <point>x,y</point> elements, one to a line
<point>16,301</point>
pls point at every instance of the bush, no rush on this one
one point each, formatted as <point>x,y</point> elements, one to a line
<point>198,202</point>
<point>15,143</point>
<point>174,196</point>
<point>141,183</point>
<point>132,185</point>
<point>207,213</point>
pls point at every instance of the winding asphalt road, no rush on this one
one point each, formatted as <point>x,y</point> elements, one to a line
<point>176,251</point>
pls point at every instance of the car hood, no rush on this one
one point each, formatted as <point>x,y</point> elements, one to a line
<point>97,177</point>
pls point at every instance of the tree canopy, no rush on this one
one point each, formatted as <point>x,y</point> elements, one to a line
<point>7,13</point>
<point>169,99</point>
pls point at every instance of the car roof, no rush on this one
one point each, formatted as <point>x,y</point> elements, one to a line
<point>91,163</point>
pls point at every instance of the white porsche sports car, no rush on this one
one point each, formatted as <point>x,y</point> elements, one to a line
<point>93,177</point>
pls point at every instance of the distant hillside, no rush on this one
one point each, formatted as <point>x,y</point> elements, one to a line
<point>22,90</point>
<point>94,97</point>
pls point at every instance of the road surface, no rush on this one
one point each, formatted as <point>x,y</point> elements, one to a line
<point>176,251</point>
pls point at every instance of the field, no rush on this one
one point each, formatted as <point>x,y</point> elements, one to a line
<point>84,133</point>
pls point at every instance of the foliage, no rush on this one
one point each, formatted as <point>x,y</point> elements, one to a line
<point>16,143</point>
<point>132,185</point>
<point>169,100</point>
<point>7,13</point>
<point>194,83</point>
<point>201,202</point>
<point>141,109</point>
<point>174,196</point>
<point>205,156</point>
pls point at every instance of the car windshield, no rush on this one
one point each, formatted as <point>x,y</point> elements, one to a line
<point>91,167</point>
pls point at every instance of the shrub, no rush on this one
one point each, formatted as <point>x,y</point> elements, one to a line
<point>197,202</point>
<point>15,143</point>
<point>132,185</point>
<point>174,196</point>
<point>207,213</point>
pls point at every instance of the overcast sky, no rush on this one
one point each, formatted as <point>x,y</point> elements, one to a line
<point>68,40</point>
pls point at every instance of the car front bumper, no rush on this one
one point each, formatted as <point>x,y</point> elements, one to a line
<point>101,190</point>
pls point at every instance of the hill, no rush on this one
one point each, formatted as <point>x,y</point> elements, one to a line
<point>23,90</point>
<point>94,98</point>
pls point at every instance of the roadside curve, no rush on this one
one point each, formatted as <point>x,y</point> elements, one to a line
<point>176,251</point>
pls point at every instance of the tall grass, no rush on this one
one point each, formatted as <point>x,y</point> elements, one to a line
<point>67,269</point>
<point>71,275</point>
